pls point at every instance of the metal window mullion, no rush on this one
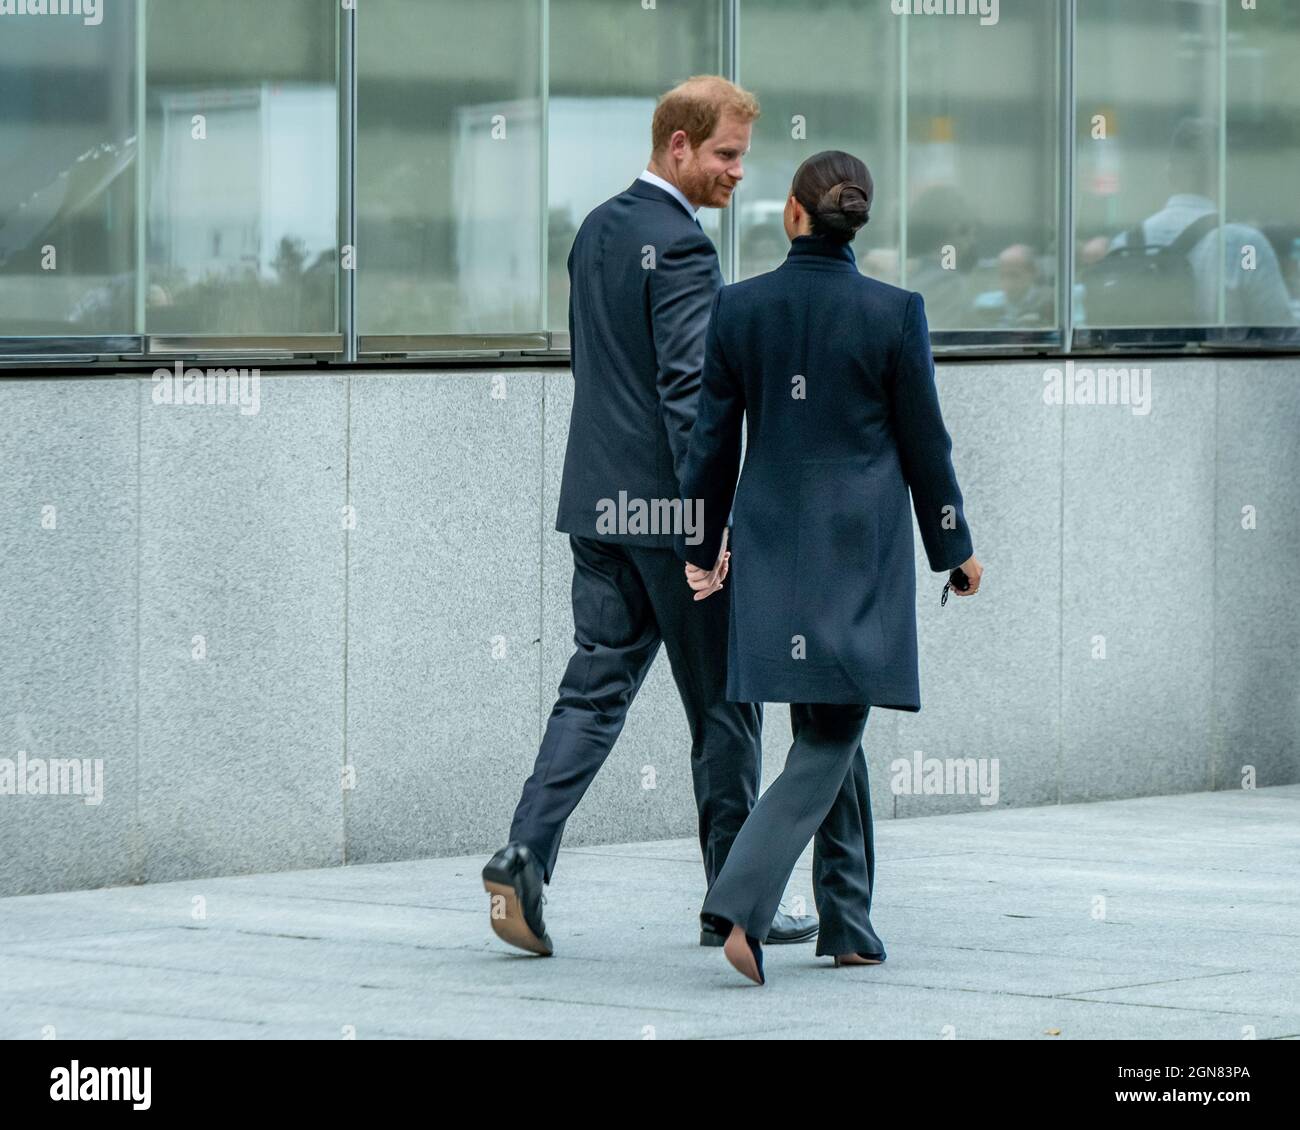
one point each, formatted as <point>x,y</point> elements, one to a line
<point>141,165</point>
<point>730,44</point>
<point>1066,171</point>
<point>902,152</point>
<point>347,235</point>
<point>544,160</point>
<point>1223,163</point>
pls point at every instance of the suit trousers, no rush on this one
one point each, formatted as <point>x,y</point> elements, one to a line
<point>627,600</point>
<point>821,795</point>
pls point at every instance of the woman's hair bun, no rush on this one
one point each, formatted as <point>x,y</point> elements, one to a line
<point>843,208</point>
<point>836,190</point>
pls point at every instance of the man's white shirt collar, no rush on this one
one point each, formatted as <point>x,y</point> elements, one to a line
<point>667,186</point>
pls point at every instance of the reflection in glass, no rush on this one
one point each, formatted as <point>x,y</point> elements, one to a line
<point>609,63</point>
<point>1184,216</point>
<point>827,76</point>
<point>1154,245</point>
<point>67,196</point>
<point>449,186</point>
<point>242,151</point>
<point>980,200</point>
<point>1262,173</point>
<point>982,142</point>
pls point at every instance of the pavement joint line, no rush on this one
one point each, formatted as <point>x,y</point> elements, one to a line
<point>366,902</point>
<point>644,1009</point>
<point>508,994</point>
<point>117,1011</point>
<point>405,990</point>
<point>16,943</point>
<point>1171,980</point>
<point>649,1009</point>
<point>361,943</point>
<point>1184,1008</point>
<point>218,929</point>
<point>279,977</point>
<point>882,984</point>
<point>94,934</point>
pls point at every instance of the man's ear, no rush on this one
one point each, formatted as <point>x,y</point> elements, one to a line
<point>679,144</point>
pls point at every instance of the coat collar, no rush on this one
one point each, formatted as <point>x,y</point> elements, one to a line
<point>672,190</point>
<point>806,249</point>
<point>648,191</point>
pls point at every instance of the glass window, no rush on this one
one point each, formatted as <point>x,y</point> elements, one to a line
<point>67,196</point>
<point>1146,160</point>
<point>242,158</point>
<point>827,76</point>
<point>978,105</point>
<point>1179,219</point>
<point>172,168</point>
<point>983,150</point>
<point>1262,171</point>
<point>609,63</point>
<point>1147,137</point>
<point>449,160</point>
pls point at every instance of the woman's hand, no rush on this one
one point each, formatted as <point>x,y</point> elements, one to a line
<point>974,571</point>
<point>706,582</point>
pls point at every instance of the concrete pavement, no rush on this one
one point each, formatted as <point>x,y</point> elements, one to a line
<point>1167,917</point>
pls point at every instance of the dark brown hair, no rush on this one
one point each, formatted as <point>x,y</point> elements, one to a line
<point>836,191</point>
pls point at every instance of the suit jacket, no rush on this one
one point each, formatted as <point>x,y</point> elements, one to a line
<point>834,375</point>
<point>642,277</point>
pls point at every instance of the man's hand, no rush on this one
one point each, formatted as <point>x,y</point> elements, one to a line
<point>706,582</point>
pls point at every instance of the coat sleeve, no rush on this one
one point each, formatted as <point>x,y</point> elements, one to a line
<point>924,446</point>
<point>713,461</point>
<point>683,283</point>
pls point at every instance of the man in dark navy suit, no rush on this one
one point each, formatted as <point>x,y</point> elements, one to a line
<point>642,280</point>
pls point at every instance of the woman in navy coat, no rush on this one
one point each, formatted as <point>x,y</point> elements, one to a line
<point>832,373</point>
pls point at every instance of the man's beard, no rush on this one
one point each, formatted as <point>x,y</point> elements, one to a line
<point>697,187</point>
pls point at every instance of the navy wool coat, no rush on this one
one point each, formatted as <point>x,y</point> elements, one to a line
<point>833,374</point>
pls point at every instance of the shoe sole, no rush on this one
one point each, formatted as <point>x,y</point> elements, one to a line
<point>512,927</point>
<point>846,964</point>
<point>742,957</point>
